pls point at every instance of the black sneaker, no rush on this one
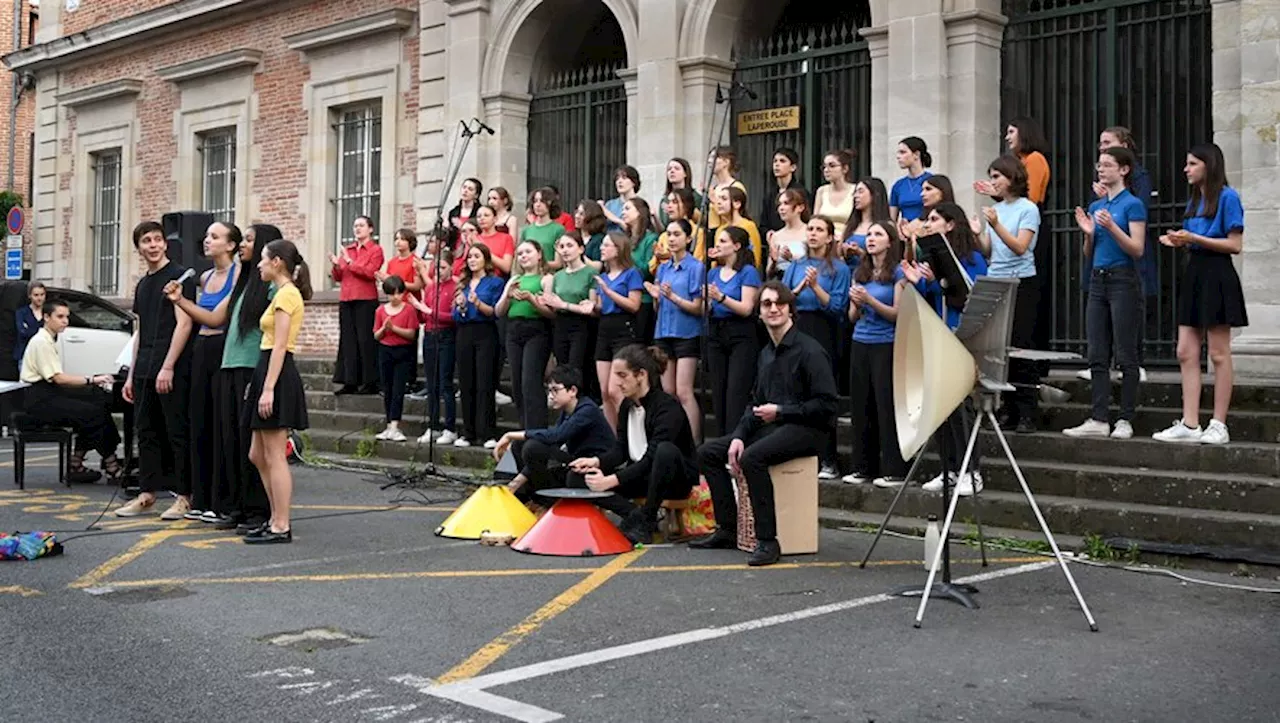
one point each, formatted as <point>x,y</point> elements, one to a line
<point>227,522</point>
<point>718,540</point>
<point>767,553</point>
<point>269,537</point>
<point>345,390</point>
<point>252,526</point>
<point>639,528</point>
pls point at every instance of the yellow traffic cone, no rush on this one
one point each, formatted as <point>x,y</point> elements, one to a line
<point>493,509</point>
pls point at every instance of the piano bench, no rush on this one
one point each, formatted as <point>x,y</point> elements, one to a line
<point>25,429</point>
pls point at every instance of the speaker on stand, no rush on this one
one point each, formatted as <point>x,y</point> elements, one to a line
<point>185,230</point>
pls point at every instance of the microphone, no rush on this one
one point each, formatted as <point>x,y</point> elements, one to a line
<point>482,125</point>
<point>745,89</point>
<point>186,276</point>
<point>719,94</point>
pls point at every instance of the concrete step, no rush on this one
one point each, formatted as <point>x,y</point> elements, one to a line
<point>1245,425</point>
<point>1164,389</point>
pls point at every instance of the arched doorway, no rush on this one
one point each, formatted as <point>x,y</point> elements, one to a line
<point>1078,67</point>
<point>813,58</point>
<point>578,111</point>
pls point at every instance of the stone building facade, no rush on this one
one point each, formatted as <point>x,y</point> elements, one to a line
<point>307,102</point>
<point>19,23</point>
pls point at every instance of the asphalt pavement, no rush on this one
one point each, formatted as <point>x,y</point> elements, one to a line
<point>368,616</point>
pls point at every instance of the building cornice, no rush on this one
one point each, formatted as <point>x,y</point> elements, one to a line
<point>102,91</point>
<point>176,17</point>
<point>204,67</point>
<point>347,31</point>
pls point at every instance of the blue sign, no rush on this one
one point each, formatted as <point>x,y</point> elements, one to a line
<point>13,264</point>
<point>16,220</point>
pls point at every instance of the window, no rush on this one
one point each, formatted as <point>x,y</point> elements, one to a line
<point>359,178</point>
<point>105,224</point>
<point>88,312</point>
<point>218,173</point>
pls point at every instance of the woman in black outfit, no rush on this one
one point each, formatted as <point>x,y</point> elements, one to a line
<point>466,208</point>
<point>733,346</point>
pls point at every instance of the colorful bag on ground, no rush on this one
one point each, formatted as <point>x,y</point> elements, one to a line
<point>28,545</point>
<point>699,517</point>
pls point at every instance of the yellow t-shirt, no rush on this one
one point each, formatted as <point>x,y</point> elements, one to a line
<point>288,300</point>
<point>40,362</point>
<point>753,233</point>
<point>713,218</point>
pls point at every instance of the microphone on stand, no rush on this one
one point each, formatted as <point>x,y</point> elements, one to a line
<point>745,89</point>
<point>483,127</point>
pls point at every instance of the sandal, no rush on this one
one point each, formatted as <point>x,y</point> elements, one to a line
<point>112,467</point>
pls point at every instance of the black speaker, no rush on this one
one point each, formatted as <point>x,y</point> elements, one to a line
<point>184,230</point>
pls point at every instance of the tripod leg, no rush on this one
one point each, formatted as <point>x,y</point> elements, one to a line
<point>1044,526</point>
<point>893,505</point>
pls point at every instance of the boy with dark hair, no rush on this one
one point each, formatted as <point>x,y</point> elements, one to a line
<point>581,431</point>
<point>159,379</point>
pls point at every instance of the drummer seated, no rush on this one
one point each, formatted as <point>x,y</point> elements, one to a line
<point>542,454</point>
<point>57,399</point>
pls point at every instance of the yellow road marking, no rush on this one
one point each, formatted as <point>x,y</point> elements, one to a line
<point>139,548</point>
<point>24,493</point>
<point>209,544</point>
<point>43,458</point>
<point>816,564</point>
<point>486,656</point>
<point>19,590</point>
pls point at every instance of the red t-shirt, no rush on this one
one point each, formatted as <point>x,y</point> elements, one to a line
<point>403,268</point>
<point>500,244</point>
<point>441,316</point>
<point>566,220</point>
<point>407,318</point>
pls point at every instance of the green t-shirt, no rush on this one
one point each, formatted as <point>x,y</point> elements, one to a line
<point>545,236</point>
<point>241,352</point>
<point>525,309</point>
<point>574,286</point>
<point>641,255</point>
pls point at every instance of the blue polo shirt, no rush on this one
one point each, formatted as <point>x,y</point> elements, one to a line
<point>906,196</point>
<point>623,284</point>
<point>614,206</point>
<point>745,276</point>
<point>871,327</point>
<point>1125,208</point>
<point>489,290</point>
<point>833,278</point>
<point>974,266</point>
<point>686,282</point>
<point>1229,217</point>
<point>1015,216</point>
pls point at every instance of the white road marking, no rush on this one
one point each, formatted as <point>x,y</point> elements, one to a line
<point>291,672</point>
<point>357,695</point>
<point>474,693</point>
<point>309,687</point>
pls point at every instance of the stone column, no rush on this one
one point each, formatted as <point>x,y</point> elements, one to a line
<point>877,38</point>
<point>973,135</point>
<point>1246,123</point>
<point>468,33</point>
<point>702,116</point>
<point>659,122</point>
<point>507,153</point>
<point>433,97</point>
<point>631,86</point>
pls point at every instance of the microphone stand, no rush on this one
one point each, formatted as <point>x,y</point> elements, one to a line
<point>432,472</point>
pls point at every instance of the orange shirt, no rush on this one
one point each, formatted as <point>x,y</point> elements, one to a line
<point>1037,176</point>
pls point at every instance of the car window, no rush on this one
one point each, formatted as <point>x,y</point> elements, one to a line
<point>88,312</point>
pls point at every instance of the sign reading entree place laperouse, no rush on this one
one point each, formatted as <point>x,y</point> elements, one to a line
<point>769,120</point>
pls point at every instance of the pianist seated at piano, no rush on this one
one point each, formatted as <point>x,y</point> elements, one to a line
<point>63,400</point>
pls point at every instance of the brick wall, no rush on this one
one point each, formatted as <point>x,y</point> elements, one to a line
<point>319,336</point>
<point>92,13</point>
<point>25,123</point>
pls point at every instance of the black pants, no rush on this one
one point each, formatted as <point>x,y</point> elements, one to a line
<point>528,348</point>
<point>1025,374</point>
<point>671,477</point>
<point>953,439</point>
<point>731,359</point>
<point>773,444</point>
<point>206,362</point>
<point>438,356</point>
<point>238,488</point>
<point>824,329</point>
<point>164,435</point>
<point>396,366</point>
<point>875,433</point>
<point>477,350</point>
<point>570,342</point>
<point>1113,322</point>
<point>357,349</point>
<point>544,467</point>
<point>85,413</point>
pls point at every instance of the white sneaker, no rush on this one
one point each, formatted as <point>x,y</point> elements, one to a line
<point>490,443</point>
<point>1142,374</point>
<point>1123,430</point>
<point>461,442</point>
<point>887,482</point>
<point>827,472</point>
<point>1215,433</point>
<point>501,399</point>
<point>448,436</point>
<point>1180,433</point>
<point>935,484</point>
<point>1087,375</point>
<point>384,435</point>
<point>1084,374</point>
<point>395,435</point>
<point>855,479</point>
<point>1090,428</point>
<point>969,485</point>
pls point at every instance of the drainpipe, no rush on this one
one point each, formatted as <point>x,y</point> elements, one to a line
<point>16,94</point>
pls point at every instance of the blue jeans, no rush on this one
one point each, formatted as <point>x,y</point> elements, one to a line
<point>439,345</point>
<point>1113,324</point>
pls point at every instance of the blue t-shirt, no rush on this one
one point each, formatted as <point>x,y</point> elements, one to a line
<point>488,290</point>
<point>626,282</point>
<point>614,206</point>
<point>686,282</point>
<point>746,276</point>
<point>1230,217</point>
<point>833,278</point>
<point>974,266</point>
<point>871,327</point>
<point>1125,208</point>
<point>1014,216</point>
<point>906,196</point>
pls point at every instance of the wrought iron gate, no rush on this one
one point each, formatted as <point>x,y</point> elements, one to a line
<point>826,70</point>
<point>578,132</point>
<point>1078,67</point>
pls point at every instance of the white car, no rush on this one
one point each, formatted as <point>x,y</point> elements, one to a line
<point>97,335</point>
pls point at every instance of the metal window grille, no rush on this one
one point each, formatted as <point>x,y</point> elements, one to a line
<point>104,226</point>
<point>358,189</point>
<point>218,173</point>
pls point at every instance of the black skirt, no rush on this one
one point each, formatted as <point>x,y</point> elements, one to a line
<point>290,408</point>
<point>1211,294</point>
